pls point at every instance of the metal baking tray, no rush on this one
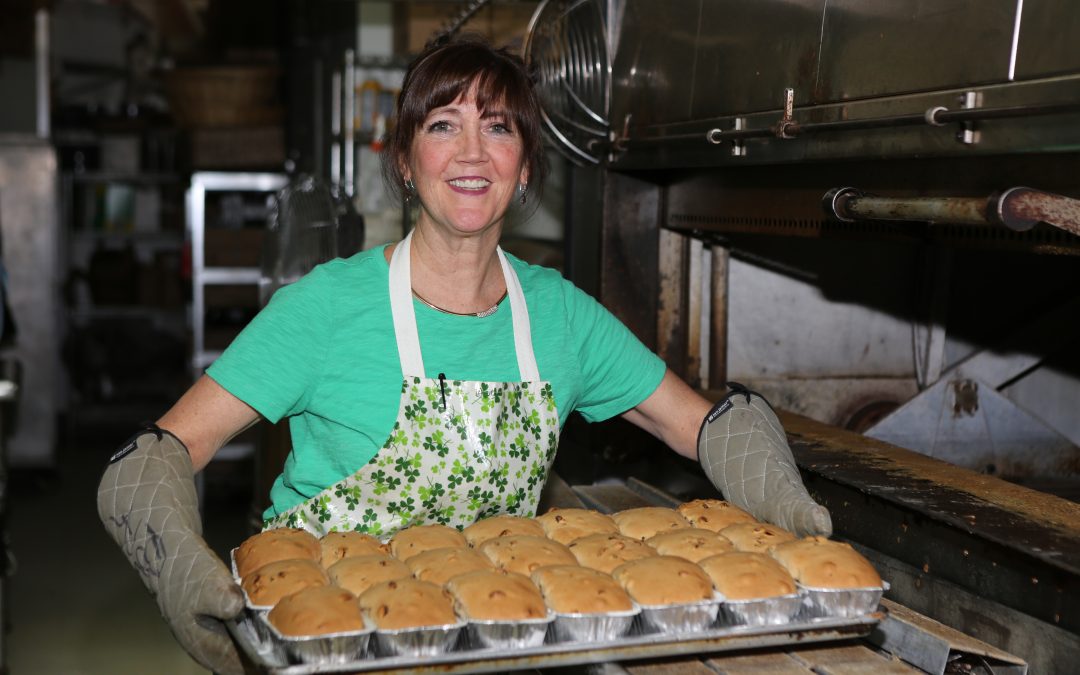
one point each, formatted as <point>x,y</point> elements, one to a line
<point>635,645</point>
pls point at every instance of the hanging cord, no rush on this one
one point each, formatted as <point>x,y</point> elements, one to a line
<point>455,22</point>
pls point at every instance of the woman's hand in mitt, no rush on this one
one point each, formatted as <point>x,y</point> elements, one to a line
<point>744,452</point>
<point>148,504</point>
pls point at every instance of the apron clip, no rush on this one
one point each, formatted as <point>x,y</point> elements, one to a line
<point>442,390</point>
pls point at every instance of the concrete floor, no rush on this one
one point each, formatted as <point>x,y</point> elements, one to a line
<point>75,607</point>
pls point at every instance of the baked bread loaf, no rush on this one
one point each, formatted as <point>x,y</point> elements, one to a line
<point>496,595</point>
<point>419,538</point>
<point>334,546</point>
<point>573,589</point>
<point>740,575</point>
<point>283,543</point>
<point>318,610</point>
<point>605,552</point>
<point>442,564</point>
<point>360,573</point>
<point>756,537</point>
<point>523,554</point>
<point>817,562</point>
<point>501,526</point>
<point>690,543</point>
<point>273,581</point>
<point>407,603</point>
<point>664,580</point>
<point>713,514</point>
<point>566,525</point>
<point>644,522</point>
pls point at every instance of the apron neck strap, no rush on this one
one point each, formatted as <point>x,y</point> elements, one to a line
<point>403,311</point>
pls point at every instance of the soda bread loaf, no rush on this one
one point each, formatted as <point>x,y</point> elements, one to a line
<point>273,581</point>
<point>664,580</point>
<point>419,538</point>
<point>713,514</point>
<point>572,589</point>
<point>496,595</point>
<point>360,573</point>
<point>566,525</point>
<point>523,553</point>
<point>605,552</point>
<point>816,562</point>
<point>283,543</point>
<point>741,575</point>
<point>443,564</point>
<point>690,543</point>
<point>756,537</point>
<point>318,610</point>
<point>334,546</point>
<point>646,521</point>
<point>501,526</point>
<point>407,603</point>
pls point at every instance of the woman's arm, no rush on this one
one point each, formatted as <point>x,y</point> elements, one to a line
<point>673,413</point>
<point>205,418</point>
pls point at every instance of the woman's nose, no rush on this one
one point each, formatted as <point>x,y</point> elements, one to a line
<point>472,146</point>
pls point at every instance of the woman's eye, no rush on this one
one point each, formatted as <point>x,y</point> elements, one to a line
<point>439,126</point>
<point>501,128</point>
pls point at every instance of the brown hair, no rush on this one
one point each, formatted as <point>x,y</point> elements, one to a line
<point>446,71</point>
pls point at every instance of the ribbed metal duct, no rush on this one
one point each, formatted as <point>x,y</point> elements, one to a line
<point>566,46</point>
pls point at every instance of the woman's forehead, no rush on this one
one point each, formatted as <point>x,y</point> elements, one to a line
<point>481,94</point>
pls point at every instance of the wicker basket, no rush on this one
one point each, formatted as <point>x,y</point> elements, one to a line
<point>224,96</point>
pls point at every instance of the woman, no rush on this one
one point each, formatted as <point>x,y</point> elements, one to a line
<point>425,381</point>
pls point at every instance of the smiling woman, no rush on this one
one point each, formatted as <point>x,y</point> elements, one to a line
<point>425,382</point>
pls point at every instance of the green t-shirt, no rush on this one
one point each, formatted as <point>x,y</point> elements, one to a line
<point>323,353</point>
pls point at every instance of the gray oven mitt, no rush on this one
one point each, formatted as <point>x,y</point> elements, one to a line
<point>744,451</point>
<point>148,504</point>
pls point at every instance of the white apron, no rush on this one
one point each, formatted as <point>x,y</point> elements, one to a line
<point>460,450</point>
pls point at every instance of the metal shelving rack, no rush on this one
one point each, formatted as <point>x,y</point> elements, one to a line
<point>203,276</point>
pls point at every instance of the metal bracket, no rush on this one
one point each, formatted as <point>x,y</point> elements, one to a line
<point>786,122</point>
<point>969,134</point>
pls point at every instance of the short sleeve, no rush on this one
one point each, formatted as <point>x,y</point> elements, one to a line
<point>274,364</point>
<point>618,371</point>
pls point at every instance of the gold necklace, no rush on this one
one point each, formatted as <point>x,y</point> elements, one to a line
<point>479,315</point>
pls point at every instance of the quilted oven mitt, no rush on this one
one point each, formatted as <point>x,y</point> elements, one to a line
<point>744,452</point>
<point>147,501</point>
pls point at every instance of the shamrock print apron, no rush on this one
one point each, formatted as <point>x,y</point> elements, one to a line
<point>459,451</point>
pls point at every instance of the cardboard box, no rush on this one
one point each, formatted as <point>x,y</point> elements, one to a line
<point>233,248</point>
<point>501,23</point>
<point>241,148</point>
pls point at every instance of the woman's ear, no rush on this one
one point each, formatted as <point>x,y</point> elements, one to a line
<point>524,179</point>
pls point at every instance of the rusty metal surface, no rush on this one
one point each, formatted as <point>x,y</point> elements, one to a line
<point>719,329</point>
<point>999,540</point>
<point>628,253</point>
<point>786,200</point>
<point>1022,208</point>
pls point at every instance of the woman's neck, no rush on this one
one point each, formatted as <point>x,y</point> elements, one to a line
<point>458,274</point>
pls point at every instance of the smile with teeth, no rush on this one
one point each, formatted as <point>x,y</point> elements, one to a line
<point>470,183</point>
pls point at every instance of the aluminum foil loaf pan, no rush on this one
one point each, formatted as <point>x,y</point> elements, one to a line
<point>329,649</point>
<point>842,603</point>
<point>517,634</point>
<point>254,617</point>
<point>774,611</point>
<point>417,642</point>
<point>599,627</point>
<point>689,617</point>
<point>232,564</point>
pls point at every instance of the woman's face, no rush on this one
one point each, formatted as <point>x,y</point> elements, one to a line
<point>466,167</point>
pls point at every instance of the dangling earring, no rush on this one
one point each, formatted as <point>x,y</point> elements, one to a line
<point>409,185</point>
<point>523,189</point>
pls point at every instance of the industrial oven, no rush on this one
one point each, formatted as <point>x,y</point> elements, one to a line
<point>867,210</point>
